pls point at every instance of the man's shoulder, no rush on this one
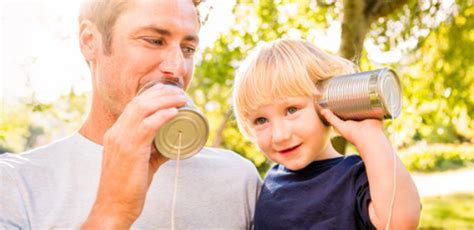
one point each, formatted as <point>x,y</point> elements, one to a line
<point>38,151</point>
<point>48,155</point>
<point>222,154</point>
<point>225,157</point>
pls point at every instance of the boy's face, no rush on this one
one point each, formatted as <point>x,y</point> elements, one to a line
<point>290,132</point>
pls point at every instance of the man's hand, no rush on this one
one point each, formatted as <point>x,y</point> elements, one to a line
<point>130,159</point>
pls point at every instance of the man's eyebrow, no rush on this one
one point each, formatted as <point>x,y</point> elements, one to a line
<point>165,32</point>
<point>191,38</point>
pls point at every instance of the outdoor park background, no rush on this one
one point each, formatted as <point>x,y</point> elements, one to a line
<point>45,85</point>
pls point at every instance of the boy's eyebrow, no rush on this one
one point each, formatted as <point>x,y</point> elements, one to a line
<point>165,32</point>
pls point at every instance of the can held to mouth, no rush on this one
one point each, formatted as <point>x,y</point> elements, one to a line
<point>190,123</point>
<point>375,94</point>
<point>194,130</point>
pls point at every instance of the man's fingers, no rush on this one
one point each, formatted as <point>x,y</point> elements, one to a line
<point>153,122</point>
<point>156,98</point>
<point>146,107</point>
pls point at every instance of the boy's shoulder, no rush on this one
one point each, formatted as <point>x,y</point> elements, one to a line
<point>340,163</point>
<point>351,160</point>
<point>352,157</point>
<point>349,167</point>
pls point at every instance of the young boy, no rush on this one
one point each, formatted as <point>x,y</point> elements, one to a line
<point>312,186</point>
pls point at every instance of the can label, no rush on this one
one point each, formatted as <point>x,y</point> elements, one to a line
<point>373,94</point>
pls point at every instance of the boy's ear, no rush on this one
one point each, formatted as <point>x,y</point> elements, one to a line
<point>318,108</point>
<point>89,38</point>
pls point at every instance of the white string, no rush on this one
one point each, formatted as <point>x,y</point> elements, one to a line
<point>394,186</point>
<point>175,189</point>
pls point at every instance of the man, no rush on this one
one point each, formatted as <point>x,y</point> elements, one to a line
<point>109,175</point>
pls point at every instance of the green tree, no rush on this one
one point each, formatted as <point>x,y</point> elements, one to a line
<point>440,79</point>
<point>390,24</point>
<point>14,127</point>
<point>22,124</point>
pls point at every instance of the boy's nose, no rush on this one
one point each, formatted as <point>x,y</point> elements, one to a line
<point>281,132</point>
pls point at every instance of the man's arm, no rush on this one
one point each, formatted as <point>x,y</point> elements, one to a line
<point>129,158</point>
<point>12,208</point>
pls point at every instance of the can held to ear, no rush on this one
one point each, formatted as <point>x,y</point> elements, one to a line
<point>375,94</point>
<point>190,123</point>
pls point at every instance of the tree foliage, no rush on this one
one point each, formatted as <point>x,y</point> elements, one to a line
<point>435,42</point>
<point>415,23</point>
<point>31,123</point>
<point>440,82</point>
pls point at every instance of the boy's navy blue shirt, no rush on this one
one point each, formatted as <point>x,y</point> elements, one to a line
<point>327,194</point>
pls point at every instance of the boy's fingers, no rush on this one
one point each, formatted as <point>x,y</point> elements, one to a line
<point>335,121</point>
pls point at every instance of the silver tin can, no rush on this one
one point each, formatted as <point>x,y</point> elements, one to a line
<point>373,94</point>
<point>190,123</point>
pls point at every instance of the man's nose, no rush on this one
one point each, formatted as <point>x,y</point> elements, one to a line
<point>281,132</point>
<point>173,63</point>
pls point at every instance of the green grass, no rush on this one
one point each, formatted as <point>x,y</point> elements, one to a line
<point>454,211</point>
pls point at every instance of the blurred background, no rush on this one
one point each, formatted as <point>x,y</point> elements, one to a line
<point>45,83</point>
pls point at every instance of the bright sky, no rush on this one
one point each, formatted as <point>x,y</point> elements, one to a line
<point>39,50</point>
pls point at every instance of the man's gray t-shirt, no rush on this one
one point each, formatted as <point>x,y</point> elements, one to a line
<point>55,187</point>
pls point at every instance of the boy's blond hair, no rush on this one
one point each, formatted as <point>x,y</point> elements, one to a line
<point>282,68</point>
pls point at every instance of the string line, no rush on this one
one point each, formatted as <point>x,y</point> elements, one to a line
<point>394,180</point>
<point>175,187</point>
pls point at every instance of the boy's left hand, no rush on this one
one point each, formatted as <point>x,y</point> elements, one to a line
<point>354,131</point>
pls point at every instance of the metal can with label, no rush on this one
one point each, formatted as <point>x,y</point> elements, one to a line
<point>373,94</point>
<point>190,123</point>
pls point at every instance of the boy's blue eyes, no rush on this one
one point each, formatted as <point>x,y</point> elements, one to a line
<point>291,109</point>
<point>262,120</point>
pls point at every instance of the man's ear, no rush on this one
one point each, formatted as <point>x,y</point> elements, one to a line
<point>89,40</point>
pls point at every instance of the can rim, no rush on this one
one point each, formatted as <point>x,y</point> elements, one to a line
<point>394,110</point>
<point>200,135</point>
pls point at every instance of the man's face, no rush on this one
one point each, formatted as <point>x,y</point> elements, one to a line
<point>152,40</point>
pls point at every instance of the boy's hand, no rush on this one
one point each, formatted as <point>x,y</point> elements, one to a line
<point>382,164</point>
<point>357,132</point>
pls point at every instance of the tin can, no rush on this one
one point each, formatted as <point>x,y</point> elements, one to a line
<point>190,123</point>
<point>373,94</point>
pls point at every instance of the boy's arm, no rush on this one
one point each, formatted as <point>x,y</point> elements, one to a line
<point>378,156</point>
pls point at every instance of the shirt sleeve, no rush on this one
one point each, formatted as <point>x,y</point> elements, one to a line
<point>12,212</point>
<point>363,196</point>
<point>254,184</point>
